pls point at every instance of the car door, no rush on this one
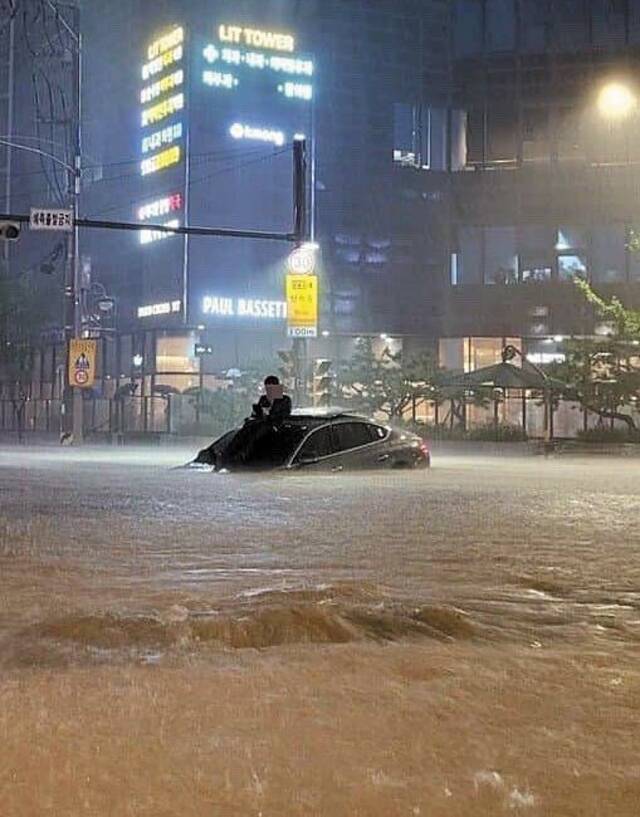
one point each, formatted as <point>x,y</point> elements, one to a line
<point>316,453</point>
<point>356,444</point>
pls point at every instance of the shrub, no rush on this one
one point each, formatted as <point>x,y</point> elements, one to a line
<point>501,433</point>
<point>609,435</point>
<point>504,433</point>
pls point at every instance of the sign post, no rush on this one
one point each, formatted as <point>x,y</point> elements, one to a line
<point>81,375</point>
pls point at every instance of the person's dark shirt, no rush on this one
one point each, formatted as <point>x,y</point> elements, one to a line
<point>280,409</point>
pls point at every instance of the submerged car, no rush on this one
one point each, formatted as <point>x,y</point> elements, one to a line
<point>316,440</point>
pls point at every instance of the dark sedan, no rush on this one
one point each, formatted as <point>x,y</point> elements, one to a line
<point>319,441</point>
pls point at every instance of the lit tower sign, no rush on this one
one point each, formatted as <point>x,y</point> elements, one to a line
<point>239,57</point>
<point>163,130</point>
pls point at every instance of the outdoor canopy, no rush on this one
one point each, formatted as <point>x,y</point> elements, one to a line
<point>505,376</point>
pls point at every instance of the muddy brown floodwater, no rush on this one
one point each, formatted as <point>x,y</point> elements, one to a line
<point>458,643</point>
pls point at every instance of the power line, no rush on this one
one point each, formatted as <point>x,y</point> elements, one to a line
<point>192,183</point>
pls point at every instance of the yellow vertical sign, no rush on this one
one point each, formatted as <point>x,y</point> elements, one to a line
<point>82,363</point>
<point>302,305</point>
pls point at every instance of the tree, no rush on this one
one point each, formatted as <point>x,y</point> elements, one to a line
<point>388,383</point>
<point>27,302</point>
<point>604,372</point>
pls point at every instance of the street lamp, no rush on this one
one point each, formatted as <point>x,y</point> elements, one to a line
<point>616,101</point>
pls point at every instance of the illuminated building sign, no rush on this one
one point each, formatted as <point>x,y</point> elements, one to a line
<point>296,90</point>
<point>158,65</point>
<point>217,79</point>
<point>160,138</point>
<point>166,43</point>
<point>262,62</point>
<point>287,65</point>
<point>256,38</point>
<point>158,146</point>
<point>240,131</point>
<point>235,60</point>
<point>151,236</point>
<point>161,161</point>
<point>153,310</point>
<point>162,110</point>
<point>161,207</point>
<point>162,86</point>
<point>244,308</point>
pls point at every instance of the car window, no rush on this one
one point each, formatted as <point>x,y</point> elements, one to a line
<point>274,447</point>
<point>318,445</point>
<point>350,435</point>
<point>376,433</point>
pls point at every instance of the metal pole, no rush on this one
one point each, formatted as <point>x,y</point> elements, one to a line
<point>300,227</point>
<point>8,180</point>
<point>78,317</point>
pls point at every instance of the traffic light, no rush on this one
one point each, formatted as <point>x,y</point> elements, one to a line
<point>322,383</point>
<point>9,230</point>
<point>289,370</point>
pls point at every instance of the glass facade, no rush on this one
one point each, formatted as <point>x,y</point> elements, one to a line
<point>535,253</point>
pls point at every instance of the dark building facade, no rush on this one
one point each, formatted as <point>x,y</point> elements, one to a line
<point>544,172</point>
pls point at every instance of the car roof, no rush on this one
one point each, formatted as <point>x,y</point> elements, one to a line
<point>323,415</point>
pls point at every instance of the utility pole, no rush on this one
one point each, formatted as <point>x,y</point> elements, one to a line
<point>74,318</point>
<point>6,96</point>
<point>78,300</point>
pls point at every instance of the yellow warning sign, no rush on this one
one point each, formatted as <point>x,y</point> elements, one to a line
<point>82,363</point>
<point>302,305</point>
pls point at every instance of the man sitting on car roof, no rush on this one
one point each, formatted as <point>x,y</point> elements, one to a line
<point>274,403</point>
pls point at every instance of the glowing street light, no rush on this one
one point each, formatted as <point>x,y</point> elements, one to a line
<point>616,101</point>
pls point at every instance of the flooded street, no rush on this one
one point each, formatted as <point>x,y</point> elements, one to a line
<point>458,642</point>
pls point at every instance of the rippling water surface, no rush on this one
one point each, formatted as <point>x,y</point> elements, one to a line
<point>460,642</point>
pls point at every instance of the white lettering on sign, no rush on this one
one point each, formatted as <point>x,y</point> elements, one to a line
<point>166,43</point>
<point>297,90</point>
<point>161,161</point>
<point>162,86</point>
<point>258,60</point>
<point>244,308</point>
<point>162,110</point>
<point>257,38</point>
<point>240,131</point>
<point>218,79</point>
<point>289,65</point>
<point>158,65</point>
<point>153,310</point>
<point>149,236</point>
<point>160,207</point>
<point>160,138</point>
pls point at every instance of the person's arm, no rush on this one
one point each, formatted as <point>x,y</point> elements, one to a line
<point>281,408</point>
<point>259,408</point>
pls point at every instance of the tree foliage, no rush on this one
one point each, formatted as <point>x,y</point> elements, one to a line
<point>604,372</point>
<point>28,304</point>
<point>388,383</point>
